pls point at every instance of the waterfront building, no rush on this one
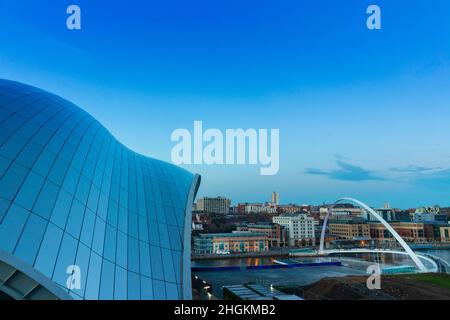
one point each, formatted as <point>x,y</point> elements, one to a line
<point>300,228</point>
<point>234,242</point>
<point>432,230</point>
<point>74,198</point>
<point>409,231</point>
<point>219,205</point>
<point>445,233</point>
<point>349,229</point>
<point>273,231</point>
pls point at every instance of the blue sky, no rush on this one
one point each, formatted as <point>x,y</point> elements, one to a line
<point>361,113</point>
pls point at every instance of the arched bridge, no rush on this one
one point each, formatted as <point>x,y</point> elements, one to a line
<point>373,213</point>
<point>431,260</point>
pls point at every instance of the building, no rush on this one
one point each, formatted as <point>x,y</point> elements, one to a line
<point>255,291</point>
<point>429,214</point>
<point>273,232</point>
<point>249,208</point>
<point>299,227</point>
<point>275,198</point>
<point>292,208</point>
<point>218,205</point>
<point>260,208</point>
<point>445,233</point>
<point>234,242</point>
<point>72,197</point>
<point>349,229</point>
<point>409,231</point>
<point>432,230</point>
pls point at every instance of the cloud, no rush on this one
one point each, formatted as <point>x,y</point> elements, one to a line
<point>437,180</point>
<point>345,172</point>
<point>415,169</point>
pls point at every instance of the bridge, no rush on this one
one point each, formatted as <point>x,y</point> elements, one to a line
<point>431,259</point>
<point>436,263</point>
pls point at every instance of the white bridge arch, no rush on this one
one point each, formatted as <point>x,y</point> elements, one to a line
<point>373,213</point>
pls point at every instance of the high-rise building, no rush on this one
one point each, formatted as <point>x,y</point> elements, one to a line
<point>300,228</point>
<point>74,198</point>
<point>275,198</point>
<point>218,205</point>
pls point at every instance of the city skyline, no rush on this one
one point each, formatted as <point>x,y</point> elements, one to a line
<point>360,112</point>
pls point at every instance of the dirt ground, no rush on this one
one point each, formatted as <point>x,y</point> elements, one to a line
<point>398,287</point>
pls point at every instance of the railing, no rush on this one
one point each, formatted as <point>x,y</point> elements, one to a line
<point>443,265</point>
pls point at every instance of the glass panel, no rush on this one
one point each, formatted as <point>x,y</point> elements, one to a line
<point>144,258</point>
<point>99,236</point>
<point>66,258</point>
<point>87,232</point>
<point>82,261</point>
<point>146,288</point>
<point>12,227</point>
<point>157,268</point>
<point>120,285</point>
<point>62,208</point>
<point>48,252</point>
<point>31,239</point>
<point>75,219</point>
<point>159,290</point>
<point>121,255</point>
<point>133,255</point>
<point>110,243</point>
<point>134,290</point>
<point>93,280</point>
<point>29,191</point>
<point>12,180</point>
<point>172,291</point>
<point>107,281</point>
<point>46,200</point>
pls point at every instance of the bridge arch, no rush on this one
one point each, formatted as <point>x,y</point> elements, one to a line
<point>374,214</point>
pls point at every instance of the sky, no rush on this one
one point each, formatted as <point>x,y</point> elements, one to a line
<point>361,113</point>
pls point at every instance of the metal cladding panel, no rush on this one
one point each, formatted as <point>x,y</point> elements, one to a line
<point>71,194</point>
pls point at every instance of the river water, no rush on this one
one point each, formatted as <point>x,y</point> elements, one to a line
<point>295,276</point>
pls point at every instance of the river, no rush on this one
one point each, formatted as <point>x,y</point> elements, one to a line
<point>292,276</point>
